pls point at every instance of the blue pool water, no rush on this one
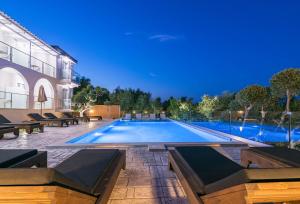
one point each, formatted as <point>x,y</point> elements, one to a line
<point>256,132</point>
<point>145,132</point>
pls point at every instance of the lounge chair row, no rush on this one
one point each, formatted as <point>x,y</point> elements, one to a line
<point>72,181</point>
<point>38,122</point>
<point>209,177</point>
<point>139,116</point>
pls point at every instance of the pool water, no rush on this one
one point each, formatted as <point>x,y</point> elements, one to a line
<point>256,132</point>
<point>146,132</point>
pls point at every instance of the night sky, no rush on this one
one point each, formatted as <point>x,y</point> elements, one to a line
<point>169,47</point>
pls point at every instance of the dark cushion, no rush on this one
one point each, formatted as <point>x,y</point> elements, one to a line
<point>88,166</point>
<point>284,155</point>
<point>68,115</point>
<point>81,172</point>
<point>36,116</point>
<point>208,164</point>
<point>50,115</point>
<point>3,119</point>
<point>216,172</point>
<point>9,157</point>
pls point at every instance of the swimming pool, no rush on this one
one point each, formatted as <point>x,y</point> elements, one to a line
<point>255,132</point>
<point>124,132</point>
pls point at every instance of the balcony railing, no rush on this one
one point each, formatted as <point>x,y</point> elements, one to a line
<point>65,104</point>
<point>68,76</point>
<point>10,100</point>
<point>14,55</point>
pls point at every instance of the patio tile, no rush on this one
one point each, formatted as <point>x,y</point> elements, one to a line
<point>173,192</point>
<point>125,201</point>
<point>148,192</point>
<point>122,182</point>
<point>147,201</point>
<point>130,193</point>
<point>118,193</point>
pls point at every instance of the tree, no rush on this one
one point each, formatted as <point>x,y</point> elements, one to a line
<point>249,97</point>
<point>286,84</point>
<point>83,83</point>
<point>173,108</point>
<point>224,100</point>
<point>185,108</point>
<point>84,99</point>
<point>207,105</point>
<point>156,105</point>
<point>102,95</point>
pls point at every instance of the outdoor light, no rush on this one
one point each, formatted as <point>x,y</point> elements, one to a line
<point>133,112</point>
<point>91,111</point>
<point>240,112</point>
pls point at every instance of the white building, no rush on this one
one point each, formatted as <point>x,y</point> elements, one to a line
<point>26,63</point>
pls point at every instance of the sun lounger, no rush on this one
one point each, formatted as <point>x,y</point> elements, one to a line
<point>152,117</point>
<point>70,116</point>
<point>37,117</point>
<point>72,181</point>
<point>162,116</point>
<point>52,116</point>
<point>127,116</point>
<point>28,126</point>
<point>270,157</point>
<point>145,117</point>
<point>138,116</point>
<point>8,129</point>
<point>209,177</point>
<point>17,158</point>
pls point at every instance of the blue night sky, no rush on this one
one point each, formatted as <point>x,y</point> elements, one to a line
<point>169,47</point>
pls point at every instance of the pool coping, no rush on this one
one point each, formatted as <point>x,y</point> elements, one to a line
<point>234,140</point>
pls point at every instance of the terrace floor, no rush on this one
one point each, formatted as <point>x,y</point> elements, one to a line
<point>146,179</point>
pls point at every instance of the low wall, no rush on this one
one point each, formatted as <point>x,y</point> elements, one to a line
<point>106,111</point>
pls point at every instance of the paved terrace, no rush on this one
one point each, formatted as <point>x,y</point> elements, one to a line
<point>146,179</point>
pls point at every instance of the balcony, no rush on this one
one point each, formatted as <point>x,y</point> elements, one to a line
<point>65,104</point>
<point>19,57</point>
<point>68,78</point>
<point>10,100</point>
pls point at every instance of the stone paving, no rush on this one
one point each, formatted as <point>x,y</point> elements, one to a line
<point>146,180</point>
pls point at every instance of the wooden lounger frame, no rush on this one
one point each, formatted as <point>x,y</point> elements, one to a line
<point>30,127</point>
<point>59,122</point>
<point>14,130</point>
<point>273,192</point>
<point>248,157</point>
<point>62,195</point>
<point>247,193</point>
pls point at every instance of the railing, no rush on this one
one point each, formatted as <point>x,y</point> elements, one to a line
<point>267,127</point>
<point>68,75</point>
<point>10,100</point>
<point>49,104</point>
<point>17,56</point>
<point>65,104</point>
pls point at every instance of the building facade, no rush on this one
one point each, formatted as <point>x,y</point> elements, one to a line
<point>26,64</point>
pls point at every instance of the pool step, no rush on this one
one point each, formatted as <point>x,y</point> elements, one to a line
<point>156,148</point>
